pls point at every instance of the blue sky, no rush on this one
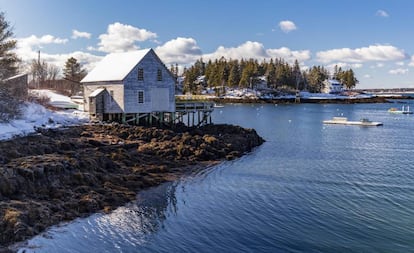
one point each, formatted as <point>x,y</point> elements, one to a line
<point>374,38</point>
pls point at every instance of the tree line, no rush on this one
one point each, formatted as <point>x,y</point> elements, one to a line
<point>248,74</point>
<point>46,75</point>
<point>43,75</point>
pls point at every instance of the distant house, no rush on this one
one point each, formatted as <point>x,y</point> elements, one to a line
<point>128,87</point>
<point>332,86</point>
<point>261,82</point>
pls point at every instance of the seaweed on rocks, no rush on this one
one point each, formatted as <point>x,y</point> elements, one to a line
<point>58,175</point>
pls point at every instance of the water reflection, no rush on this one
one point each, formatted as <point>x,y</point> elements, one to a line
<point>126,227</point>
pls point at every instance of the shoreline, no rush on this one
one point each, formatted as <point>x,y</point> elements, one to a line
<point>57,175</point>
<point>377,99</point>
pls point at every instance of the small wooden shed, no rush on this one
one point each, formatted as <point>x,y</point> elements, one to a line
<point>17,86</point>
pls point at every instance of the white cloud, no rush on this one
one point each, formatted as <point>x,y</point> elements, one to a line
<point>289,55</point>
<point>411,64</point>
<point>247,50</point>
<point>377,65</point>
<point>287,26</point>
<point>121,38</point>
<point>256,50</point>
<point>33,41</point>
<point>344,66</point>
<point>179,50</point>
<point>382,13</point>
<point>77,34</point>
<point>364,54</point>
<point>27,48</point>
<point>399,71</point>
<point>367,76</point>
<point>400,63</point>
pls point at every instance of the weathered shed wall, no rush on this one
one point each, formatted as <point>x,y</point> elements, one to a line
<point>17,86</point>
<point>112,105</point>
<point>124,96</point>
<point>150,85</point>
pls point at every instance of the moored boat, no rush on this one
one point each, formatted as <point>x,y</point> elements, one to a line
<point>345,121</point>
<point>402,111</point>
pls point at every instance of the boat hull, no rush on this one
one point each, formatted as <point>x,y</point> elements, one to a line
<point>344,121</point>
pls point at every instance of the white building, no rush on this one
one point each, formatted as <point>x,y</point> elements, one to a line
<point>129,86</point>
<point>332,86</point>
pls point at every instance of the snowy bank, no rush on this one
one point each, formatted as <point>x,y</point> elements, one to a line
<point>35,116</point>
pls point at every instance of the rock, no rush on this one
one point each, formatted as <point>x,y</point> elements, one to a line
<point>68,173</point>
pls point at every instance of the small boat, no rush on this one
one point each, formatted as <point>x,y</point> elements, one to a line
<point>218,106</point>
<point>344,121</point>
<point>402,111</point>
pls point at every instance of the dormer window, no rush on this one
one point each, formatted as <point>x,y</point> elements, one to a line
<point>140,74</point>
<point>159,75</point>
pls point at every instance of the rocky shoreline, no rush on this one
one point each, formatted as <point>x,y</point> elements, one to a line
<point>57,175</point>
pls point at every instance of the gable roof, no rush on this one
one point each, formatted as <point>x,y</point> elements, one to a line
<point>115,66</point>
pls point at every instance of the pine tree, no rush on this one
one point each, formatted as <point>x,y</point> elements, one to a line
<point>234,74</point>
<point>271,74</point>
<point>8,59</point>
<point>73,71</point>
<point>349,79</point>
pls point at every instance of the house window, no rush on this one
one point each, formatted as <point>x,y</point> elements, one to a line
<point>140,97</point>
<point>140,74</point>
<point>159,75</point>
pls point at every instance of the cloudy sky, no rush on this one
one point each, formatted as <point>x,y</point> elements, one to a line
<point>374,38</point>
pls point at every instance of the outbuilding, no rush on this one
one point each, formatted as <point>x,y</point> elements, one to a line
<point>130,87</point>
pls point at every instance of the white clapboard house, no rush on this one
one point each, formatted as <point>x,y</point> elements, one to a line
<point>132,87</point>
<point>332,86</point>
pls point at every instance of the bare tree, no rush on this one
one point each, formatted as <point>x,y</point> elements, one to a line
<point>39,71</point>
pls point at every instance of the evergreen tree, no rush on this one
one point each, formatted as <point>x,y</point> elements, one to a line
<point>296,75</point>
<point>315,78</point>
<point>191,75</point>
<point>8,59</point>
<point>271,74</point>
<point>73,70</point>
<point>234,74</point>
<point>349,79</point>
<point>247,79</point>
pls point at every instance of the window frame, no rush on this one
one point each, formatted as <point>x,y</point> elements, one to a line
<point>140,97</point>
<point>140,74</point>
<point>159,74</point>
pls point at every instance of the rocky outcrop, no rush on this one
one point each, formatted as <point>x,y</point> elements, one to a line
<point>57,175</point>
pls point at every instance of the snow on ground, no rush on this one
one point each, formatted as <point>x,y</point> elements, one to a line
<point>56,100</point>
<point>35,116</point>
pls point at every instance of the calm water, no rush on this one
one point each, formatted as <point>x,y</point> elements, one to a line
<point>309,188</point>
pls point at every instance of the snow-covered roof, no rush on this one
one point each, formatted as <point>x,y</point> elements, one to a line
<point>333,81</point>
<point>14,77</point>
<point>115,66</point>
<point>96,92</point>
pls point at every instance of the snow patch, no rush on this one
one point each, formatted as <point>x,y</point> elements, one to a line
<point>35,116</point>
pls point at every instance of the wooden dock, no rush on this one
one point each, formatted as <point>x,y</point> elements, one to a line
<point>193,113</point>
<point>188,113</point>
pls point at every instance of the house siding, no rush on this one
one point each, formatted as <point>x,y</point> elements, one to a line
<point>126,91</point>
<point>150,63</point>
<point>110,106</point>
